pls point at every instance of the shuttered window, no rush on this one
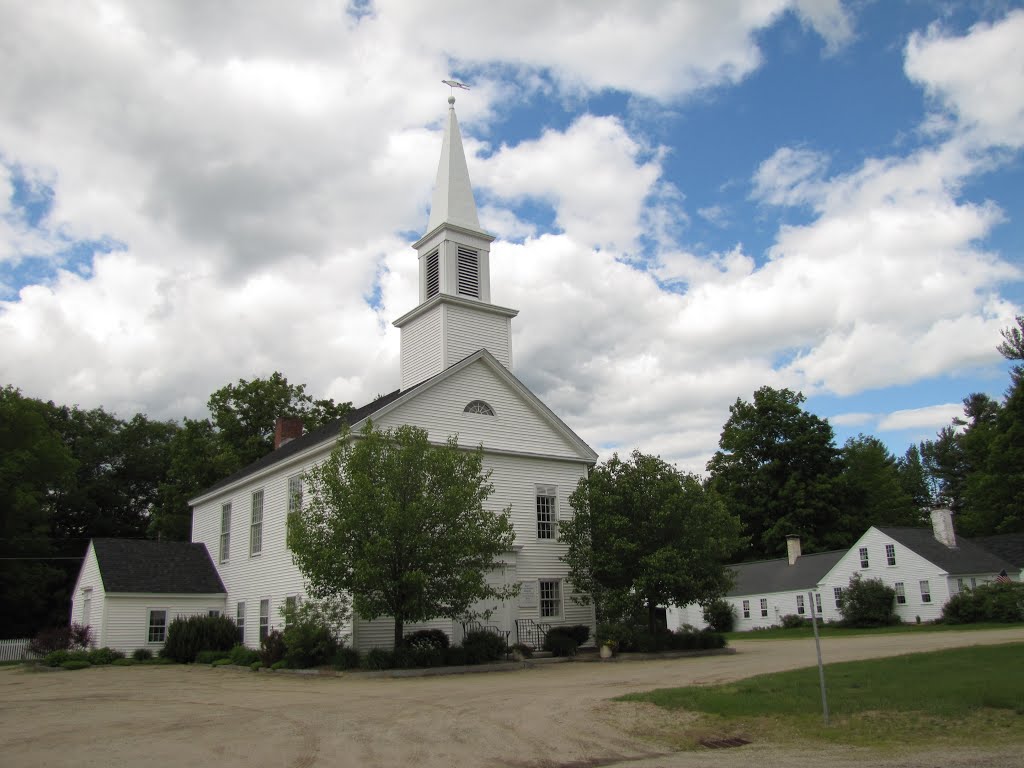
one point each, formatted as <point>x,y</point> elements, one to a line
<point>469,272</point>
<point>433,274</point>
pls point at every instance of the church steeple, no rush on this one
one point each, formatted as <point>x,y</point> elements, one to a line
<point>455,316</point>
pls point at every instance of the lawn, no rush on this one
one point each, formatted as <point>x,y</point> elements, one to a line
<point>957,697</point>
<point>831,630</point>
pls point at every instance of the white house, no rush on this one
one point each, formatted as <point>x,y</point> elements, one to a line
<point>925,566</point>
<point>128,591</point>
<point>456,379</point>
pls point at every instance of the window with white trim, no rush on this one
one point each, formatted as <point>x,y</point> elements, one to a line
<point>225,531</point>
<point>959,585</point>
<point>256,524</point>
<point>746,609</point>
<point>290,604</point>
<point>974,582</point>
<point>550,598</point>
<point>547,511</point>
<point>240,621</point>
<point>294,494</point>
<point>901,593</point>
<point>478,406</point>
<point>890,554</point>
<point>264,619</point>
<point>433,273</point>
<point>800,607</point>
<point>817,602</point>
<point>837,592</point>
<point>926,591</point>
<point>469,272</point>
<point>157,630</point>
<point>764,607</point>
<point>864,563</point>
<point>213,613</point>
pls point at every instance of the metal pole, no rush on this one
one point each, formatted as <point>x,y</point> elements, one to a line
<point>821,667</point>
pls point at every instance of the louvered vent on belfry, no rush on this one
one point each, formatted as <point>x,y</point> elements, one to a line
<point>478,406</point>
<point>433,274</point>
<point>469,273</point>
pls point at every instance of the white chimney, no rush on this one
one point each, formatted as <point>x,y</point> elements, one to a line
<point>793,548</point>
<point>942,527</point>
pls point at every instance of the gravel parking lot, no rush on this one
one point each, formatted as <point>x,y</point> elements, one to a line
<point>555,715</point>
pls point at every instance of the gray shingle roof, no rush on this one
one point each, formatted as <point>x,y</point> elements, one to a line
<point>766,576</point>
<point>1009,546</point>
<point>165,567</point>
<point>968,557</point>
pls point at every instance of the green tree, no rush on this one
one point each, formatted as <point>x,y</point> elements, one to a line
<point>778,470</point>
<point>914,478</point>
<point>400,525</point>
<point>868,603</point>
<point>35,466</point>
<point>873,491</point>
<point>645,533</point>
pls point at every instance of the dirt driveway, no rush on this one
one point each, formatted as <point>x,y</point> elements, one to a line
<point>556,715</point>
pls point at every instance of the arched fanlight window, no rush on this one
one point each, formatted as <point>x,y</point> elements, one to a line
<point>479,406</point>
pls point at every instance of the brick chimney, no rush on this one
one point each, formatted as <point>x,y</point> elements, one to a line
<point>286,429</point>
<point>793,548</point>
<point>942,527</point>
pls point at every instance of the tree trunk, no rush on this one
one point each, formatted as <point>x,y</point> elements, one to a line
<point>399,632</point>
<point>652,617</point>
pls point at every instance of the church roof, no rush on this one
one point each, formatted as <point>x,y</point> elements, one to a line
<point>163,567</point>
<point>453,202</point>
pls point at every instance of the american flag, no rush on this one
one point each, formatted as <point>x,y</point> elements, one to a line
<point>1002,578</point>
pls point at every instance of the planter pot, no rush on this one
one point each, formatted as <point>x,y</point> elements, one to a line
<point>606,651</point>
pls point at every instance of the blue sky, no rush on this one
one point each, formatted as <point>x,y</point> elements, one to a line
<point>689,203</point>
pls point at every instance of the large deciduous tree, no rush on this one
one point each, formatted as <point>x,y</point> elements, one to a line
<point>874,490</point>
<point>645,533</point>
<point>778,470</point>
<point>399,524</point>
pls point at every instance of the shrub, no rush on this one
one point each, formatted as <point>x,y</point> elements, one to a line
<point>620,634</point>
<point>282,664</point>
<point>256,666</point>
<point>455,656</point>
<point>75,664</point>
<point>311,632</point>
<point>186,637</point>
<point>73,637</point>
<point>482,647</point>
<point>524,650</point>
<point>221,663</point>
<point>433,637</point>
<point>208,657</point>
<point>100,656</point>
<point>793,621</point>
<point>124,662</point>
<point>346,658</point>
<point>867,603</point>
<point>142,654</point>
<point>987,602</point>
<point>560,643</point>
<point>720,615</point>
<point>272,648</point>
<point>58,657</point>
<point>242,656</point>
<point>379,658</point>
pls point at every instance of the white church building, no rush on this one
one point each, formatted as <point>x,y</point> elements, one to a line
<point>456,379</point>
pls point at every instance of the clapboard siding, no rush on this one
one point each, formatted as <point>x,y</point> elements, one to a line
<point>910,569</point>
<point>89,579</point>
<point>126,621</point>
<point>516,425</point>
<point>422,354</point>
<point>467,330</point>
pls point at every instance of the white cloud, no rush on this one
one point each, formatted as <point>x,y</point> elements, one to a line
<point>791,176</point>
<point>932,417</point>
<point>979,76</point>
<point>855,419</point>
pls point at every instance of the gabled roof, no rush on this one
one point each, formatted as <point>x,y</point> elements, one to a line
<point>966,558</point>
<point>767,576</point>
<point>1008,546</point>
<point>166,567</point>
<point>381,405</point>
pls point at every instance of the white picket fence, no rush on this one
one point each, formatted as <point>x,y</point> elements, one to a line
<point>15,650</point>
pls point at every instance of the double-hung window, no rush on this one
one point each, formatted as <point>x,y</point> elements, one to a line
<point>890,554</point>
<point>746,609</point>
<point>864,562</point>
<point>294,494</point>
<point>800,607</point>
<point>547,511</point>
<point>264,619</point>
<point>240,622</point>
<point>837,592</point>
<point>926,591</point>
<point>764,607</point>
<point>550,598</point>
<point>901,593</point>
<point>256,524</point>
<point>157,632</point>
<point>225,532</point>
<point>817,602</point>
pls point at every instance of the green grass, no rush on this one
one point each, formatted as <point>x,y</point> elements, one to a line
<point>966,695</point>
<point>831,630</point>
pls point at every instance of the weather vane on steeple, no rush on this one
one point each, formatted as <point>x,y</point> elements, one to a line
<point>453,84</point>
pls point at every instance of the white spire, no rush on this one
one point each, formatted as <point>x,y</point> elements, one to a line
<point>453,194</point>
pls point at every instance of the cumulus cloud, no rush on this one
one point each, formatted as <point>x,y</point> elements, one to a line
<point>932,417</point>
